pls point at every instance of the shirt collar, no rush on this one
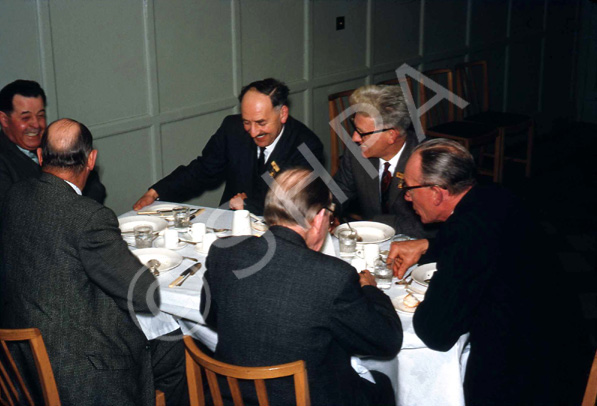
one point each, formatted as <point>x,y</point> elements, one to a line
<point>270,148</point>
<point>32,155</point>
<point>75,187</point>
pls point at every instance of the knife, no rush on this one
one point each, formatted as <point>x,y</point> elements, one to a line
<point>185,274</point>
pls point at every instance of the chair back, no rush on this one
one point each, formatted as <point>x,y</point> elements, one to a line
<point>337,103</point>
<point>472,84</point>
<point>197,361</point>
<point>442,111</point>
<point>591,390</point>
<point>13,390</point>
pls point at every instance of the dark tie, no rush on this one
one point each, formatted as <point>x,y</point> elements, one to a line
<point>386,179</point>
<point>261,161</point>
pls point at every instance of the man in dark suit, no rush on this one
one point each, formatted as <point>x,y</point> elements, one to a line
<point>276,299</point>
<point>370,179</point>
<point>262,140</point>
<point>23,121</point>
<point>66,270</point>
<point>495,280</point>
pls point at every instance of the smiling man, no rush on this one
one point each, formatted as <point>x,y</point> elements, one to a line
<point>23,121</point>
<point>382,131</point>
<point>264,138</point>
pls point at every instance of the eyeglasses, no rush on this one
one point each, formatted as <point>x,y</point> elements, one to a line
<point>363,135</point>
<point>407,189</point>
<point>331,208</point>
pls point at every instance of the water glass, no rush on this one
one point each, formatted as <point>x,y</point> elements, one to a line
<point>383,274</point>
<point>181,216</point>
<point>348,243</point>
<point>143,236</point>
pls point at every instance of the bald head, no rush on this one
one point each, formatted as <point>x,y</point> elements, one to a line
<point>66,145</point>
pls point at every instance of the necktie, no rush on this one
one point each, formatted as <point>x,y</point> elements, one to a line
<point>261,161</point>
<point>386,179</point>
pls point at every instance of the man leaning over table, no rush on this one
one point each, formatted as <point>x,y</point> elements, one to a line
<point>23,121</point>
<point>276,299</point>
<point>382,132</point>
<point>495,280</point>
<point>263,139</point>
<point>66,270</point>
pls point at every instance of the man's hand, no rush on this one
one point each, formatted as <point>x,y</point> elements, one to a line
<point>149,197</point>
<point>405,254</point>
<point>238,201</point>
<point>365,278</point>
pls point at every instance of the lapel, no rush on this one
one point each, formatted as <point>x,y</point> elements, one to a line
<point>372,189</point>
<point>283,147</point>
<point>409,145</point>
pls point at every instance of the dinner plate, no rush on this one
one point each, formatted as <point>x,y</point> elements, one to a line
<point>399,305</point>
<point>420,275</point>
<point>129,223</point>
<point>370,231</point>
<point>159,243</point>
<point>168,259</point>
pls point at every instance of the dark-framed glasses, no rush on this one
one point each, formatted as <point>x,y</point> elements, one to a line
<point>363,135</point>
<point>407,189</point>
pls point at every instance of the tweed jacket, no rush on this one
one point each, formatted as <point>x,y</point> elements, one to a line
<point>231,156</point>
<point>273,300</point>
<point>14,166</point>
<point>66,270</point>
<point>358,186</point>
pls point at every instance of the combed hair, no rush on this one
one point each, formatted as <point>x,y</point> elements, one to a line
<point>75,155</point>
<point>276,90</point>
<point>25,88</point>
<point>448,164</point>
<point>388,100</point>
<point>295,196</point>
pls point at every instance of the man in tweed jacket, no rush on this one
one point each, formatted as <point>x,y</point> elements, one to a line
<point>66,270</point>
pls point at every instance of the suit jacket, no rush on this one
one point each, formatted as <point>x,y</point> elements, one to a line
<point>231,156</point>
<point>15,166</point>
<point>297,304</point>
<point>66,270</point>
<point>494,280</point>
<point>358,186</point>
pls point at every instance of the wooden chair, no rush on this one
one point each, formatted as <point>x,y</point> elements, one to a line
<point>196,361</point>
<point>439,121</point>
<point>337,103</point>
<point>591,390</point>
<point>473,86</point>
<point>13,390</point>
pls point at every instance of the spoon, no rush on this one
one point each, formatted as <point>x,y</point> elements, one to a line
<point>359,238</point>
<point>153,265</point>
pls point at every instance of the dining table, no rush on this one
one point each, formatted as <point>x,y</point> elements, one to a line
<point>420,376</point>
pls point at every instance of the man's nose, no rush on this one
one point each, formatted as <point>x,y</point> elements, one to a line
<point>407,196</point>
<point>356,137</point>
<point>254,130</point>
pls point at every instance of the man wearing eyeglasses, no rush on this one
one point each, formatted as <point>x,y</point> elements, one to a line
<point>494,280</point>
<point>380,127</point>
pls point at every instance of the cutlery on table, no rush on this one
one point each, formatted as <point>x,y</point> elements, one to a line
<point>167,212</point>
<point>153,265</point>
<point>185,274</point>
<point>359,238</point>
<point>191,258</point>
<point>218,230</point>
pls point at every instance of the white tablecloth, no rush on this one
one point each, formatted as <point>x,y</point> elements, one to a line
<point>420,376</point>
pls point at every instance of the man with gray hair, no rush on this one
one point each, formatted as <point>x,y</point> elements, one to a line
<point>276,299</point>
<point>494,280</point>
<point>382,130</point>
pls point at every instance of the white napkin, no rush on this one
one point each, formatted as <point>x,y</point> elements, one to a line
<point>328,246</point>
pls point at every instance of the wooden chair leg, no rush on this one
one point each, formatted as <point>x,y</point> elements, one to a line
<point>160,398</point>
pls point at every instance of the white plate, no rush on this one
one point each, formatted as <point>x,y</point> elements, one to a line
<point>420,275</point>
<point>399,305</point>
<point>168,259</point>
<point>159,243</point>
<point>370,231</point>
<point>129,223</point>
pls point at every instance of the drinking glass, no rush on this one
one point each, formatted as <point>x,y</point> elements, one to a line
<point>143,236</point>
<point>383,274</point>
<point>181,217</point>
<point>348,243</point>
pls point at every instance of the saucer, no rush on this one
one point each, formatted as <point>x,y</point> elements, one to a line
<point>159,243</point>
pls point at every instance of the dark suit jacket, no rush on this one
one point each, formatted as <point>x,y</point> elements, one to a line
<point>66,270</point>
<point>14,166</point>
<point>231,156</point>
<point>297,304</point>
<point>494,279</point>
<point>358,185</point>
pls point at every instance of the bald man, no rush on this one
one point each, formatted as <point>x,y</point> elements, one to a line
<point>263,139</point>
<point>66,270</point>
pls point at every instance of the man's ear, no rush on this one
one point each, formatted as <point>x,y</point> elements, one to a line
<point>91,160</point>
<point>395,135</point>
<point>438,196</point>
<point>3,119</point>
<point>283,114</point>
<point>39,158</point>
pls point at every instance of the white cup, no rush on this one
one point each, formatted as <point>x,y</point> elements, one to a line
<point>371,253</point>
<point>241,223</point>
<point>208,240</point>
<point>197,231</point>
<point>170,239</point>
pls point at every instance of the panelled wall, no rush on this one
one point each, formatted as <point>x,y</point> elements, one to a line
<point>154,78</point>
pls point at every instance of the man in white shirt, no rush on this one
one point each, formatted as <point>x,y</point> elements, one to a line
<point>381,129</point>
